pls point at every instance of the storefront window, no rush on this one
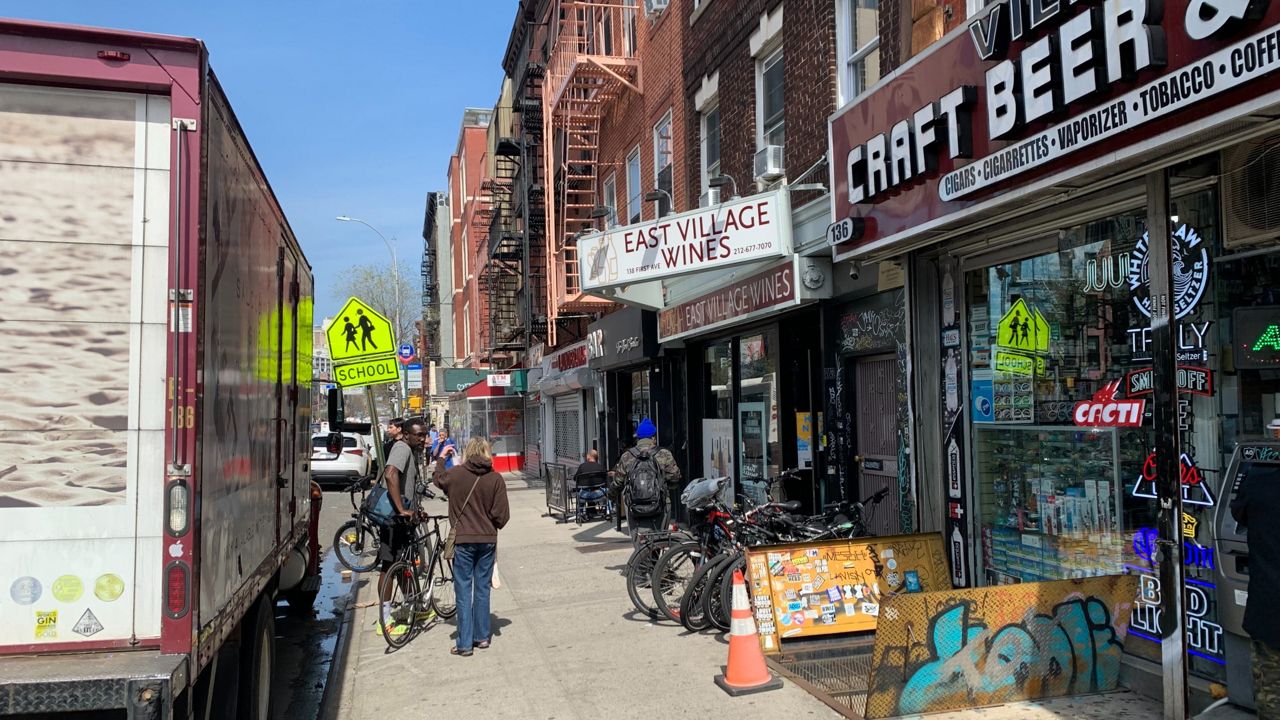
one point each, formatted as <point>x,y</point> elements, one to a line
<point>1060,398</point>
<point>758,413</point>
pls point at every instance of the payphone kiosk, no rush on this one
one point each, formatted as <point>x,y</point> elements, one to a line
<point>1259,461</point>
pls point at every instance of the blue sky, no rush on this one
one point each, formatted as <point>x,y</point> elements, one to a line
<point>352,108</point>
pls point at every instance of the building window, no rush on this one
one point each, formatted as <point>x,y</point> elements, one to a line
<point>710,144</point>
<point>629,27</point>
<point>610,200</point>
<point>858,45</point>
<point>635,193</point>
<point>662,172</point>
<point>772,115</point>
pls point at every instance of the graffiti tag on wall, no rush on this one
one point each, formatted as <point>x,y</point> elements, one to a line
<point>984,646</point>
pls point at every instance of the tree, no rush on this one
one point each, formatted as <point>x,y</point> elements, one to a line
<point>376,285</point>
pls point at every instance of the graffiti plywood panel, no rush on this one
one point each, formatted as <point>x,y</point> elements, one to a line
<point>985,646</point>
<point>836,586</point>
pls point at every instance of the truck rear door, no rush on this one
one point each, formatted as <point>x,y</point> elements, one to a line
<point>84,264</point>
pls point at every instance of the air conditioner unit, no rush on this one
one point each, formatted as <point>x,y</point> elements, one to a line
<point>655,7</point>
<point>1251,179</point>
<point>769,163</point>
<point>710,197</point>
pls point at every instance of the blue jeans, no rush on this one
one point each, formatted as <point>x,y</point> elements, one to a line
<point>472,580</point>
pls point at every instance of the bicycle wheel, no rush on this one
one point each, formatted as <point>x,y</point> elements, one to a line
<point>692,610</point>
<point>639,573</point>
<point>400,584</point>
<point>726,589</point>
<point>671,576</point>
<point>444,597</point>
<point>356,545</point>
<point>712,600</point>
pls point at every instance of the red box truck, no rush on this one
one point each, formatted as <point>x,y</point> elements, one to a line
<point>155,385</point>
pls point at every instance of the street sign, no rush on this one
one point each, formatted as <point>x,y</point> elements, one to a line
<point>359,333</point>
<point>406,351</point>
<point>379,371</point>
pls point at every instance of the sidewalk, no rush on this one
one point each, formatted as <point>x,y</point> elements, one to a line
<point>568,645</point>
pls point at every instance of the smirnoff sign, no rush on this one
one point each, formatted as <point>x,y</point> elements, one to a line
<point>1031,83</point>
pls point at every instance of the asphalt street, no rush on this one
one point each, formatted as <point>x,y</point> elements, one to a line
<point>305,643</point>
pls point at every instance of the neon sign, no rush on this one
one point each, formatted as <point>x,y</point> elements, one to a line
<point>1195,491</point>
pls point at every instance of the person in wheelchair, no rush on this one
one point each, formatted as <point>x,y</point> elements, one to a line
<point>591,478</point>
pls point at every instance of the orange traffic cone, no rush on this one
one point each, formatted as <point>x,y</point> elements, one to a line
<point>746,672</point>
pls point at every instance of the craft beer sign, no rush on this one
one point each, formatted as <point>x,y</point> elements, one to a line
<point>730,233</point>
<point>1034,91</point>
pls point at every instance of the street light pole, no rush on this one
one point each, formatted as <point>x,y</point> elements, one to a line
<point>395,265</point>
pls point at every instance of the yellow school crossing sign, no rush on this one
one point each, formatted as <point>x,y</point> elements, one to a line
<point>359,332</point>
<point>362,345</point>
<point>1023,328</point>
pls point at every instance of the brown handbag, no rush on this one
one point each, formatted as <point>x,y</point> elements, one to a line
<point>447,553</point>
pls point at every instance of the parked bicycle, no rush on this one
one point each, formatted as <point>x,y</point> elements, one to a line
<point>356,541</point>
<point>420,580</point>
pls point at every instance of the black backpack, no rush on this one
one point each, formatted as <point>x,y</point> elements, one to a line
<point>644,485</point>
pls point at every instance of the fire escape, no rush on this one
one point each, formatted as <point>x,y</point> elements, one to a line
<point>593,61</point>
<point>501,277</point>
<point>531,208</point>
<point>430,289</point>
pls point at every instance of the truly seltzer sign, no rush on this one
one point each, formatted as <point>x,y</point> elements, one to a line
<point>733,232</point>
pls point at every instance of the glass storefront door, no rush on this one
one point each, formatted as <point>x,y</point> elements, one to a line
<point>759,448</point>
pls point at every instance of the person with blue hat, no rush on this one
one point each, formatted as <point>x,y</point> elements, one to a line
<point>644,478</point>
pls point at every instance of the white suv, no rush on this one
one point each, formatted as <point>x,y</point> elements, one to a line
<point>347,466</point>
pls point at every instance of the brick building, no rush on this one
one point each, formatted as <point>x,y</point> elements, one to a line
<point>468,228</point>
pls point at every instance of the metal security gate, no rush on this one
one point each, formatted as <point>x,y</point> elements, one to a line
<point>567,418</point>
<point>876,437</point>
<point>533,433</point>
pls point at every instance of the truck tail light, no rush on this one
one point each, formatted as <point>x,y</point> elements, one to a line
<point>179,502</point>
<point>177,582</point>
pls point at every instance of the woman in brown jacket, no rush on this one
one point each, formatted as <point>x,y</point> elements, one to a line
<point>478,509</point>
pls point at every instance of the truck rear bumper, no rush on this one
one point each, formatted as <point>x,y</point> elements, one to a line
<point>141,682</point>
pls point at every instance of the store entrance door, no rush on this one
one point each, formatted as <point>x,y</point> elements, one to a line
<point>875,449</point>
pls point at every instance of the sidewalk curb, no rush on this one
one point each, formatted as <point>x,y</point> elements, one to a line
<point>337,667</point>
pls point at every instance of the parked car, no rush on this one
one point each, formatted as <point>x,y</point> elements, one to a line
<point>339,470</point>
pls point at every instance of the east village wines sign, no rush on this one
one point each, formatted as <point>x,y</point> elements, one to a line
<point>730,233</point>
<point>1036,90</point>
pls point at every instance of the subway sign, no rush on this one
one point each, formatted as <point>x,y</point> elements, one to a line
<point>1033,90</point>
